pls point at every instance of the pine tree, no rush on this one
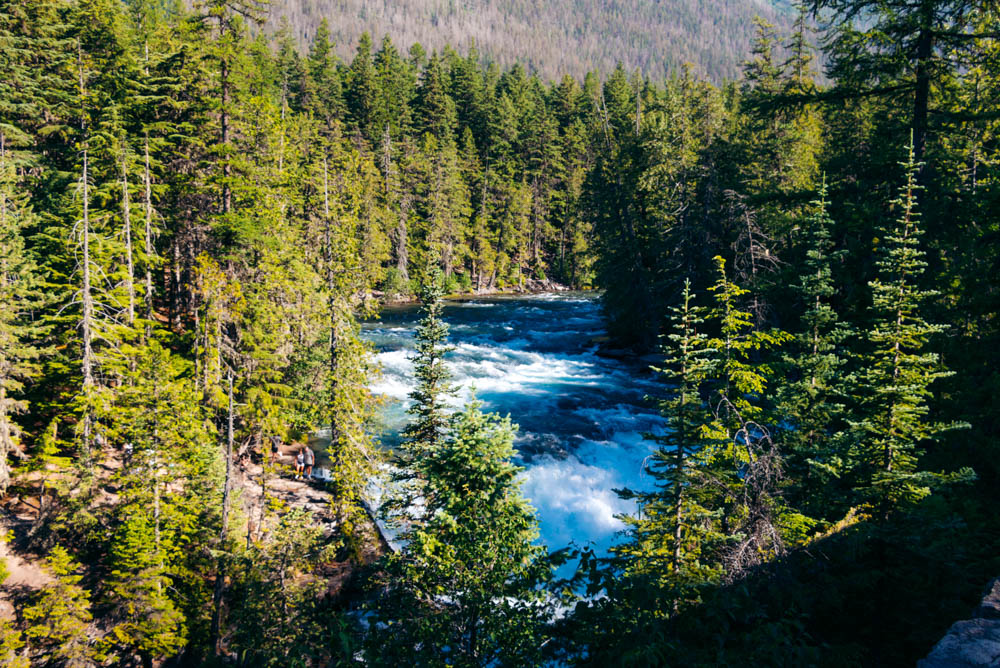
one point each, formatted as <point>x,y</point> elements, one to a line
<point>323,91</point>
<point>895,386</point>
<point>879,49</point>
<point>464,590</point>
<point>11,646</point>
<point>19,294</point>
<point>59,617</point>
<point>433,386</point>
<point>149,623</point>
<point>661,561</point>
<point>361,91</point>
<point>434,104</point>
<point>393,116</point>
<point>812,399</point>
<point>276,617</point>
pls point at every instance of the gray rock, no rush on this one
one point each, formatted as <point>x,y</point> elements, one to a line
<point>972,643</point>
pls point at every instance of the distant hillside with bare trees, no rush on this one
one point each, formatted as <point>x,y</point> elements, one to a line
<point>555,37</point>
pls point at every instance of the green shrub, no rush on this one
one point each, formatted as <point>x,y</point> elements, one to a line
<point>394,284</point>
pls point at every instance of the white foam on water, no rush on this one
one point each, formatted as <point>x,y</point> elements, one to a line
<point>571,484</point>
<point>575,497</point>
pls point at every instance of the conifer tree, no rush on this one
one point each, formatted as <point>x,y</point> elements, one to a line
<point>11,646</point>
<point>811,400</point>
<point>895,386</point>
<point>323,91</point>
<point>464,589</point>
<point>741,459</point>
<point>434,104</point>
<point>149,623</point>
<point>660,561</point>
<point>361,90</point>
<point>19,294</point>
<point>276,617</point>
<point>59,617</point>
<point>900,49</point>
<point>423,435</point>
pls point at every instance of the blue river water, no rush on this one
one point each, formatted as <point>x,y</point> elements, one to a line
<point>581,416</point>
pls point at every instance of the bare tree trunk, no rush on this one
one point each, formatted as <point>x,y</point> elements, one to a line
<point>6,435</point>
<point>148,202</point>
<point>227,168</point>
<point>127,229</point>
<point>175,285</point>
<point>220,574</point>
<point>86,326</point>
<point>332,306</point>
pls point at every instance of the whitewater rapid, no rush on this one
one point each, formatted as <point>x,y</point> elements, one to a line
<point>582,417</point>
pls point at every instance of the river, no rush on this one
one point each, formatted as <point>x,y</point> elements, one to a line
<point>582,416</point>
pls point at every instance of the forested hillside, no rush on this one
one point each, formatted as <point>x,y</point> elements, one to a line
<point>195,217</point>
<point>555,37</point>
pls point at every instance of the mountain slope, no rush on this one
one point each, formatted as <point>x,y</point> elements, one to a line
<point>553,36</point>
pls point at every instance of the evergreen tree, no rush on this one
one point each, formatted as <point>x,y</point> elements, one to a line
<point>661,562</point>
<point>277,618</point>
<point>895,386</point>
<point>811,400</point>
<point>149,623</point>
<point>434,104</point>
<point>900,50</point>
<point>11,646</point>
<point>464,590</point>
<point>59,617</point>
<point>741,460</point>
<point>322,89</point>
<point>19,295</point>
<point>423,435</point>
<point>361,91</point>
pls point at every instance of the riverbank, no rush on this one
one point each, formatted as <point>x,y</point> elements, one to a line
<point>531,287</point>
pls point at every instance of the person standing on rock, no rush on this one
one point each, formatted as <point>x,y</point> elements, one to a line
<point>310,461</point>
<point>300,460</point>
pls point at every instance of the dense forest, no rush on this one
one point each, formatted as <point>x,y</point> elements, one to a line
<point>555,37</point>
<point>195,217</point>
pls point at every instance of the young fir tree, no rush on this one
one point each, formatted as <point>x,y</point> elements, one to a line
<point>162,527</point>
<point>811,400</point>
<point>149,624</point>
<point>423,435</point>
<point>894,388</point>
<point>464,589</point>
<point>59,618</point>
<point>660,560</point>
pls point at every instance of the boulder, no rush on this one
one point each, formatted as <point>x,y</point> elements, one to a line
<point>971,643</point>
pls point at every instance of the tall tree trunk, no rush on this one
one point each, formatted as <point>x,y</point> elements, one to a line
<point>127,229</point>
<point>227,168</point>
<point>220,573</point>
<point>6,435</point>
<point>332,306</point>
<point>921,97</point>
<point>148,205</point>
<point>87,326</point>
<point>87,318</point>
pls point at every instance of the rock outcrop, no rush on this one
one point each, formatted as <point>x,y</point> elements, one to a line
<point>971,643</point>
